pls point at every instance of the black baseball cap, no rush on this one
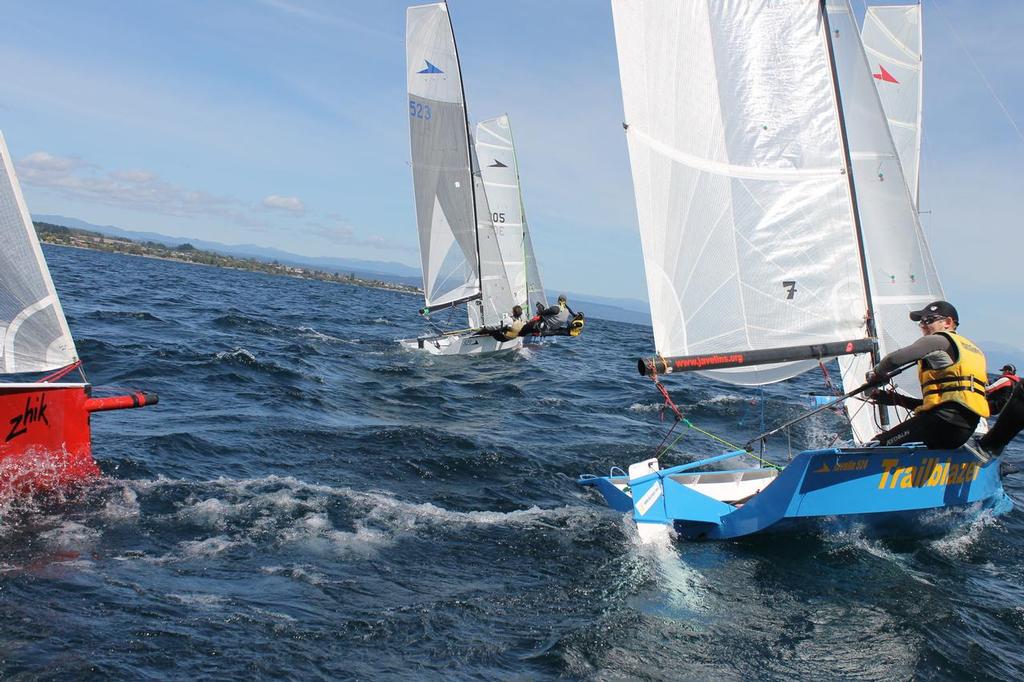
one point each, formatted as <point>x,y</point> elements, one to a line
<point>1008,368</point>
<point>936,309</point>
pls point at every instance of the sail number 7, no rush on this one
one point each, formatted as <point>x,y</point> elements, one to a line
<point>419,110</point>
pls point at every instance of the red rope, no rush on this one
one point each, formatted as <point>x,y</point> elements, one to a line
<point>61,372</point>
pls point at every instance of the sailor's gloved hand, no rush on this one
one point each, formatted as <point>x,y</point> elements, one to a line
<point>871,376</point>
<point>882,397</point>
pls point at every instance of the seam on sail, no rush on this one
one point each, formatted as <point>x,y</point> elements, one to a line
<point>499,184</point>
<point>889,34</point>
<point>889,58</point>
<point>493,145</point>
<point>12,330</point>
<point>731,170</point>
<point>902,124</point>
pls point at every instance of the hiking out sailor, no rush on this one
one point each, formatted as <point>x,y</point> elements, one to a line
<point>1005,398</point>
<point>511,325</point>
<point>951,370</point>
<point>556,317</point>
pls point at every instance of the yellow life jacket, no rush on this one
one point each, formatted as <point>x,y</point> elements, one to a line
<point>512,331</point>
<point>962,382</point>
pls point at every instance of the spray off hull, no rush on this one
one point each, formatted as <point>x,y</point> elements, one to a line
<point>45,435</point>
<point>884,484</point>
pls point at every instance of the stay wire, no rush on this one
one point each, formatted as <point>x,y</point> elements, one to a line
<point>660,450</point>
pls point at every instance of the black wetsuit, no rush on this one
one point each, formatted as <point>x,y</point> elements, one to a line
<point>944,427</point>
<point>1009,404</point>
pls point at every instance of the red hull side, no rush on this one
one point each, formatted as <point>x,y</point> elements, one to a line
<point>44,437</point>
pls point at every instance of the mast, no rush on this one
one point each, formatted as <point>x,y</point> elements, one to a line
<point>871,330</point>
<point>469,148</point>
<point>920,104</point>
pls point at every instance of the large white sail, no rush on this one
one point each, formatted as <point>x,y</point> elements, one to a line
<point>440,157</point>
<point>892,40</point>
<point>34,336</point>
<point>902,275</point>
<point>739,174</point>
<point>500,171</point>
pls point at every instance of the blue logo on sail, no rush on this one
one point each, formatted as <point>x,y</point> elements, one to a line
<point>430,68</point>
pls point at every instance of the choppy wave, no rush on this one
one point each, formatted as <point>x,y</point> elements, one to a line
<point>322,504</point>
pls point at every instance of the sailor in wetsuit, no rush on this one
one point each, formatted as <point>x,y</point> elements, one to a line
<point>951,370</point>
<point>1005,398</point>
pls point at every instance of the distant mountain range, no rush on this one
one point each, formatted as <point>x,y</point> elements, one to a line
<point>617,309</point>
<point>372,269</point>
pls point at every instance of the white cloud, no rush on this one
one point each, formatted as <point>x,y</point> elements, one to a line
<point>138,190</point>
<point>293,204</point>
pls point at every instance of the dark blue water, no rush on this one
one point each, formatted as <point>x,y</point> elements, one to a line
<point>309,501</point>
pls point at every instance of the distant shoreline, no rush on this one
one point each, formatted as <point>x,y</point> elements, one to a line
<point>59,235</point>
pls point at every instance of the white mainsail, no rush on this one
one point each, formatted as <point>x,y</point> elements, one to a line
<point>500,171</point>
<point>442,177</point>
<point>902,275</point>
<point>893,42</point>
<point>496,299</point>
<point>34,335</point>
<point>739,174</point>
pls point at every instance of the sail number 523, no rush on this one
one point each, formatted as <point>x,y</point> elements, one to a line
<point>419,110</point>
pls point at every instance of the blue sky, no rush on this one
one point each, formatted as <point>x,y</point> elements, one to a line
<point>284,123</point>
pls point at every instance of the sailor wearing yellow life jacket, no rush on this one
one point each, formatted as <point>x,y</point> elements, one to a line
<point>951,370</point>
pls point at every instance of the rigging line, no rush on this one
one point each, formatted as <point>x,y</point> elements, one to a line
<point>977,69</point>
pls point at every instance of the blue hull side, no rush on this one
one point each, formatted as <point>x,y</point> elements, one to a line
<point>883,483</point>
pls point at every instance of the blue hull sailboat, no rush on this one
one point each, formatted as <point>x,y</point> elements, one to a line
<point>779,232</point>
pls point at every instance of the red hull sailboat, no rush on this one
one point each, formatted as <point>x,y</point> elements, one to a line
<point>45,438</point>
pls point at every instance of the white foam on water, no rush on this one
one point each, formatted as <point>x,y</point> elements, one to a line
<point>210,547</point>
<point>236,354</point>
<point>646,407</point>
<point>70,535</point>
<point>302,573</point>
<point>122,506</point>
<point>963,536</point>
<point>681,587</point>
<point>312,333</point>
<point>198,599</point>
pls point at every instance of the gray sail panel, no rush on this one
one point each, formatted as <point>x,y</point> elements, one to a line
<point>34,336</point>
<point>496,297</point>
<point>442,178</point>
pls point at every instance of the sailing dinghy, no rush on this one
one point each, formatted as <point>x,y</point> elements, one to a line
<point>778,233</point>
<point>459,245</point>
<point>45,437</point>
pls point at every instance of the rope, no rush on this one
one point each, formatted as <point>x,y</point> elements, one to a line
<point>63,371</point>
<point>662,449</point>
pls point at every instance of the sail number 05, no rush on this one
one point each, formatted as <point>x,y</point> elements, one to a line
<point>419,110</point>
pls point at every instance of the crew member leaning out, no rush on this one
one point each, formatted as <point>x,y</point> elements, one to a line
<point>1005,398</point>
<point>951,370</point>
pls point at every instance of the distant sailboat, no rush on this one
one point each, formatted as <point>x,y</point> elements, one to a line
<point>459,246</point>
<point>778,232</point>
<point>500,169</point>
<point>44,425</point>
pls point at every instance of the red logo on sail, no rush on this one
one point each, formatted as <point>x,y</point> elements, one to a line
<point>884,75</point>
